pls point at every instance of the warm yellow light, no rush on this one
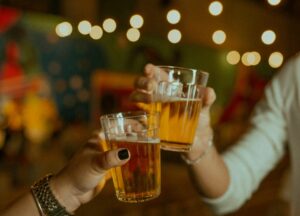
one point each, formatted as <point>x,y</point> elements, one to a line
<point>109,25</point>
<point>173,16</point>
<point>268,37</point>
<point>233,57</point>
<point>274,2</point>
<point>215,8</point>
<point>174,36</point>
<point>133,35</point>
<point>136,21</point>
<point>257,58</point>
<point>219,37</point>
<point>64,29</point>
<point>275,59</point>
<point>251,58</point>
<point>245,59</point>
<point>96,32</point>
<point>84,27</point>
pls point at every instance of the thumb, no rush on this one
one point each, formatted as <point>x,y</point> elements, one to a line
<point>208,99</point>
<point>110,159</point>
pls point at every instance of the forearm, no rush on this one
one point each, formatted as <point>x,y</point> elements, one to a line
<point>25,206</point>
<point>210,175</point>
<point>32,204</point>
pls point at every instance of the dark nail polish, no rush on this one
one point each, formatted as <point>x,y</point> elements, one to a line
<point>123,154</point>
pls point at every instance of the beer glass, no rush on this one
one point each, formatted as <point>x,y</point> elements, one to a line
<point>139,179</point>
<point>178,98</point>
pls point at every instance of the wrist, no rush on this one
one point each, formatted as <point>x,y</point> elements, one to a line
<point>197,154</point>
<point>45,199</point>
<point>63,193</point>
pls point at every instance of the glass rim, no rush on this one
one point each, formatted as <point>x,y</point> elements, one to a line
<point>138,132</point>
<point>182,68</point>
<point>128,114</point>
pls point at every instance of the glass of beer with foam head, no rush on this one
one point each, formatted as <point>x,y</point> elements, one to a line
<point>178,98</point>
<point>139,179</point>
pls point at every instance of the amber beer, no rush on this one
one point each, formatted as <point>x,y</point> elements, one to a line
<point>139,179</point>
<point>178,120</point>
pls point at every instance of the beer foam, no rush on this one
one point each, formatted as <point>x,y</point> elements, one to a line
<point>177,99</point>
<point>138,139</point>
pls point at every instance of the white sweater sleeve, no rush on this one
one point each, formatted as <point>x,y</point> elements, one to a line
<point>260,148</point>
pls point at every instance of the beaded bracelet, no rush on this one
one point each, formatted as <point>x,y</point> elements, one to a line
<point>198,159</point>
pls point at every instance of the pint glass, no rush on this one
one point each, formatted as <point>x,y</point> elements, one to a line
<point>139,179</point>
<point>178,98</point>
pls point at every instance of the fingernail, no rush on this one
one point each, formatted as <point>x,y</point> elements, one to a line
<point>123,154</point>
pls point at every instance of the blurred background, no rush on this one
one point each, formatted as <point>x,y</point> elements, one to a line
<point>63,63</point>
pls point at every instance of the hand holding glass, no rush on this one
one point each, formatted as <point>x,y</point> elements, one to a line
<point>138,180</point>
<point>178,98</point>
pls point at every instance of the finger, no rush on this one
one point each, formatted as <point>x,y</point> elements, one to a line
<point>144,83</point>
<point>110,159</point>
<point>209,98</point>
<point>155,72</point>
<point>140,96</point>
<point>150,71</point>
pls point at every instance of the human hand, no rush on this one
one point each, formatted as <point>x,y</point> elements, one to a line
<point>84,175</point>
<point>145,86</point>
<point>204,133</point>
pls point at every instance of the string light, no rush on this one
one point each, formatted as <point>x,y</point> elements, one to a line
<point>219,37</point>
<point>233,57</point>
<point>173,16</point>
<point>215,8</point>
<point>245,59</point>
<point>174,36</point>
<point>109,25</point>
<point>64,29</point>
<point>274,2</point>
<point>133,34</point>
<point>84,27</point>
<point>251,58</point>
<point>275,59</point>
<point>96,32</point>
<point>136,21</point>
<point>268,37</point>
<point>257,58</point>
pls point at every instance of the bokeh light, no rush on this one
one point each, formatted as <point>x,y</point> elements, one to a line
<point>215,8</point>
<point>219,37</point>
<point>276,59</point>
<point>257,58</point>
<point>109,25</point>
<point>274,2</point>
<point>251,58</point>
<point>84,27</point>
<point>268,37</point>
<point>174,36</point>
<point>96,32</point>
<point>173,16</point>
<point>233,57</point>
<point>136,21</point>
<point>64,29</point>
<point>245,59</point>
<point>133,34</point>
